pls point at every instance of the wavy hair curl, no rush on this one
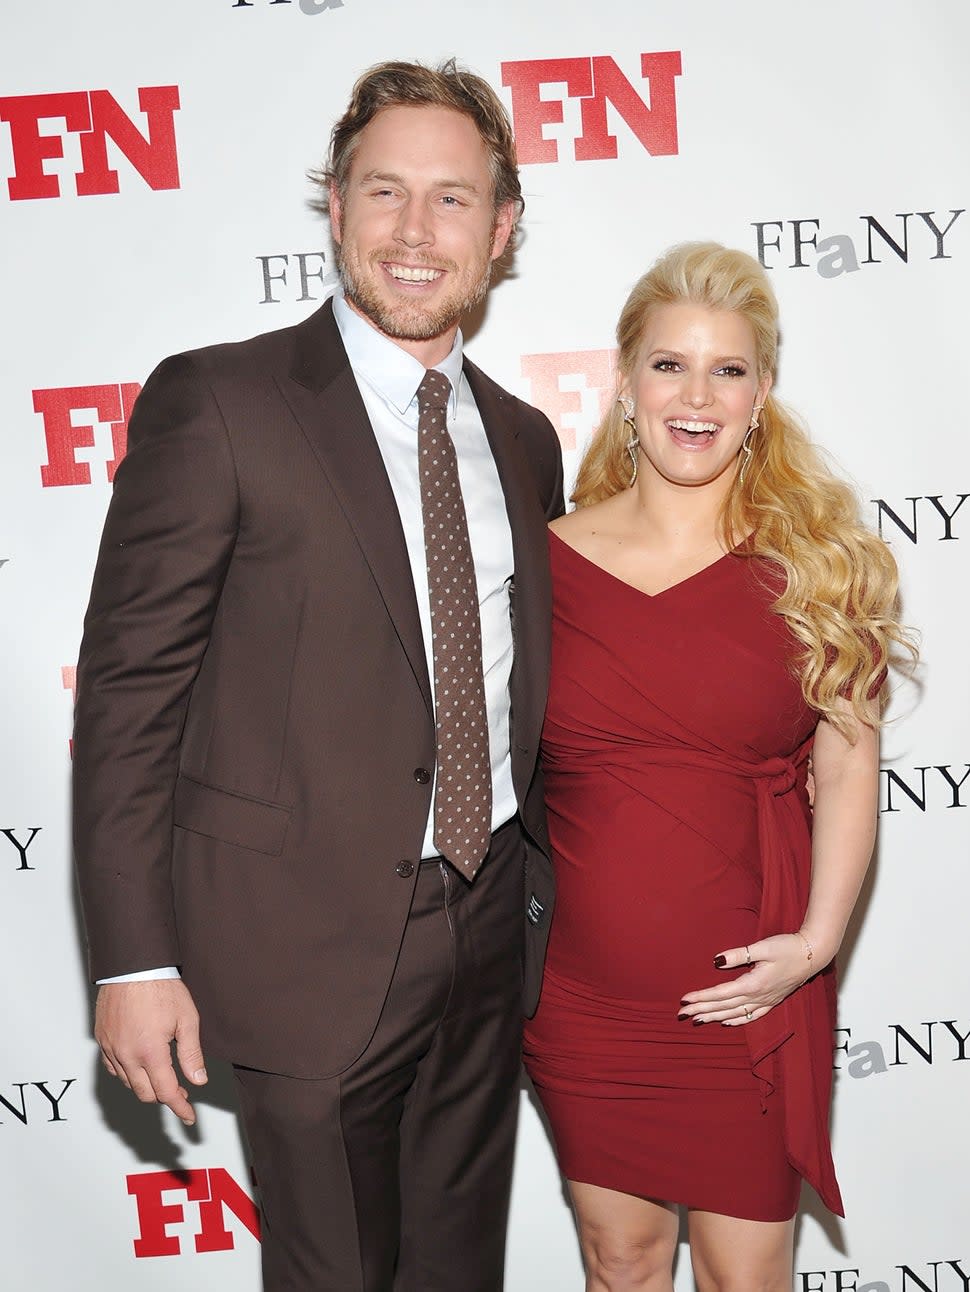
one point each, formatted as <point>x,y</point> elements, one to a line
<point>840,599</point>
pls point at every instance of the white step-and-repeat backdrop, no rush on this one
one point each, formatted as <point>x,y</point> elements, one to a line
<point>152,198</point>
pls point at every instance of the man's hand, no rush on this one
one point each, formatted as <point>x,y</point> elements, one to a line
<point>135,1024</point>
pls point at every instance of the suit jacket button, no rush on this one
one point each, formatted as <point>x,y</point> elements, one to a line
<point>422,775</point>
<point>405,869</point>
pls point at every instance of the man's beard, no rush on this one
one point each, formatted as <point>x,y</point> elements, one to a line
<point>407,321</point>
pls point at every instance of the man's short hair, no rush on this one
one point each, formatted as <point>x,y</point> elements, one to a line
<point>395,84</point>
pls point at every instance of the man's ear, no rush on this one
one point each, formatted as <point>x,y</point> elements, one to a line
<point>504,224</point>
<point>336,214</point>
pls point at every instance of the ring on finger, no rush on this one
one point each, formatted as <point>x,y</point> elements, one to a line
<point>747,955</point>
<point>747,1014</point>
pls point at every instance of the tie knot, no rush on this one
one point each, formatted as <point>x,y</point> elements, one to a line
<point>433,392</point>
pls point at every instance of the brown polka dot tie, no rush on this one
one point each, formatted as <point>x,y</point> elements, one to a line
<point>463,790</point>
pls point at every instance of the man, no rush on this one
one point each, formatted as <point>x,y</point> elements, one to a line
<point>308,723</point>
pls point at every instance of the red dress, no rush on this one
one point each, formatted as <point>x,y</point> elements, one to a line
<point>674,749</point>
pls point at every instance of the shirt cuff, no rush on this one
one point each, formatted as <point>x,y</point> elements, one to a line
<point>145,975</point>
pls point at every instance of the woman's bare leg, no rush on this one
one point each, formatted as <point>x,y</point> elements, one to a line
<point>628,1242</point>
<point>732,1255</point>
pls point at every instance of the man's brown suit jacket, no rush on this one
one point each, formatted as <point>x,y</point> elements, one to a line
<point>254,710</point>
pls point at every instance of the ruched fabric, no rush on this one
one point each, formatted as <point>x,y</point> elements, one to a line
<point>675,751</point>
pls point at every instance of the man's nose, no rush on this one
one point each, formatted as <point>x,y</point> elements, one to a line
<point>414,224</point>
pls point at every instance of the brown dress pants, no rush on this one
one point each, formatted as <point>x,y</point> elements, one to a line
<point>394,1176</point>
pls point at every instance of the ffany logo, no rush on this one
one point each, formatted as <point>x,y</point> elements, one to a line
<point>839,253</point>
<point>595,82</point>
<point>929,516</point>
<point>927,1276</point>
<point>282,271</point>
<point>309,7</point>
<point>942,1040</point>
<point>22,846</point>
<point>95,116</point>
<point>34,1101</point>
<point>213,1191</point>
<point>573,388</point>
<point>70,415</point>
<point>937,785</point>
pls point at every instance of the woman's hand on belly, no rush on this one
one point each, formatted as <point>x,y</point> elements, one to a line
<point>778,966</point>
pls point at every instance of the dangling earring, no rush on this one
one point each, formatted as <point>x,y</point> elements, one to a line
<point>746,442</point>
<point>632,445</point>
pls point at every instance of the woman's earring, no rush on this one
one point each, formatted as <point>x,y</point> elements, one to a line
<point>633,448</point>
<point>746,442</point>
<point>632,445</point>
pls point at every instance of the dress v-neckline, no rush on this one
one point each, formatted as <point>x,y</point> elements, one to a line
<point>650,596</point>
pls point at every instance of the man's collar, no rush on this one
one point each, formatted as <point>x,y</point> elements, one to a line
<point>388,369</point>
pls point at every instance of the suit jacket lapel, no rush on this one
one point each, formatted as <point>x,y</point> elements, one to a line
<point>532,593</point>
<point>324,398</point>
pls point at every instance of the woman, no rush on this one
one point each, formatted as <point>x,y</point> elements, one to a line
<point>720,616</point>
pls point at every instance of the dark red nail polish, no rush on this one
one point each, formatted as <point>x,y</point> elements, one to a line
<point>683,1016</point>
<point>720,962</point>
<point>698,1021</point>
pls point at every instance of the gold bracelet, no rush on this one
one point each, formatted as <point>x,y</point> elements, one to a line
<point>809,949</point>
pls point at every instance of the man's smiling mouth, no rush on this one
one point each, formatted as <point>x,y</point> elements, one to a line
<point>412,273</point>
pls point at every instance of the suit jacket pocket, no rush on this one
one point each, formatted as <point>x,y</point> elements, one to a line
<point>232,818</point>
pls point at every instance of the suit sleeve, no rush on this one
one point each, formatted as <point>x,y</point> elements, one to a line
<point>556,505</point>
<point>167,542</point>
<point>549,459</point>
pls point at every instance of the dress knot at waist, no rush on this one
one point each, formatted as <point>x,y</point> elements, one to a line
<point>780,775</point>
<point>775,776</point>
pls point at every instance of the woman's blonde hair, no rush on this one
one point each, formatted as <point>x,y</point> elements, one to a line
<point>841,593</point>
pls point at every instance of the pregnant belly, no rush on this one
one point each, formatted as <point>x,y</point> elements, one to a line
<point>644,902</point>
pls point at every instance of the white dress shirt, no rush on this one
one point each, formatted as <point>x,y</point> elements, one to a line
<point>388,379</point>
